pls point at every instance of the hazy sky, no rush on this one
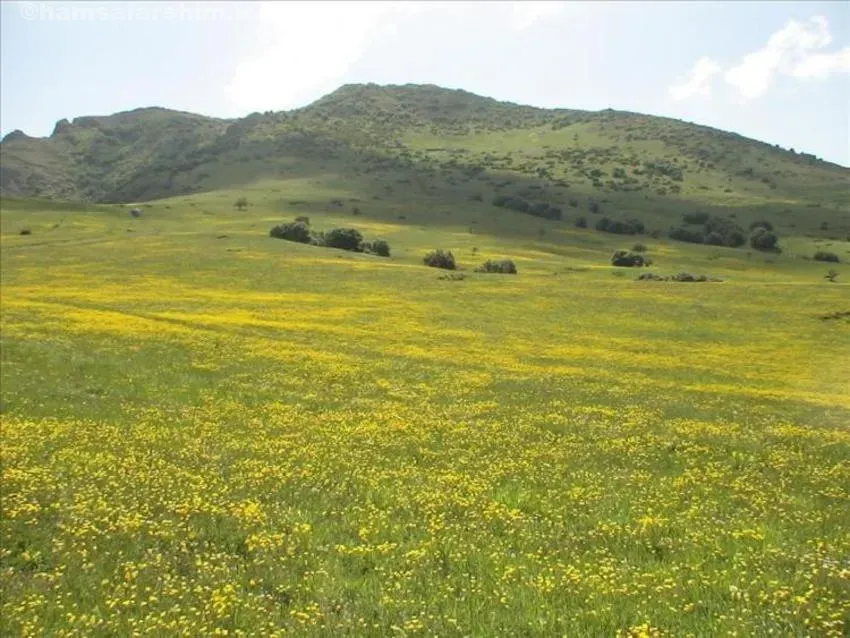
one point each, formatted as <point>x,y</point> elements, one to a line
<point>775,71</point>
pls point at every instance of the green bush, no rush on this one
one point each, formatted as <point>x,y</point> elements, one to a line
<point>512,202</point>
<point>686,234</point>
<point>713,239</point>
<point>547,211</point>
<point>639,248</point>
<point>581,222</point>
<point>695,218</point>
<point>628,227</point>
<point>303,219</point>
<point>440,259</point>
<point>292,231</point>
<point>241,203</point>
<point>824,255</point>
<point>686,276</point>
<point>378,247</point>
<point>627,259</point>
<point>764,240</point>
<point>344,239</point>
<point>504,266</point>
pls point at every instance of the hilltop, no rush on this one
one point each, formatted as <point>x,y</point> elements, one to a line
<point>446,146</point>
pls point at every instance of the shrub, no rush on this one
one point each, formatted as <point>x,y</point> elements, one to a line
<point>685,234</point>
<point>26,231</point>
<point>832,275</point>
<point>735,238</point>
<point>686,276</point>
<point>695,218</point>
<point>241,203</point>
<point>581,222</point>
<point>639,248</point>
<point>761,224</point>
<point>627,259</point>
<point>292,231</point>
<point>593,207</point>
<point>629,227</point>
<point>763,239</point>
<point>440,259</point>
<point>303,219</point>
<point>344,239</point>
<point>512,202</point>
<point>378,247</point>
<point>713,239</point>
<point>573,203</point>
<point>823,255</point>
<point>504,266</point>
<point>649,276</point>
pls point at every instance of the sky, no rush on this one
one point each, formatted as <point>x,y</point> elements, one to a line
<point>774,71</point>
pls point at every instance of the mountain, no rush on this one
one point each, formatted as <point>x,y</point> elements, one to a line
<point>448,144</point>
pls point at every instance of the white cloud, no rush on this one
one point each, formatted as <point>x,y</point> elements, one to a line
<point>527,12</point>
<point>306,47</point>
<point>819,66</point>
<point>698,81</point>
<point>791,51</point>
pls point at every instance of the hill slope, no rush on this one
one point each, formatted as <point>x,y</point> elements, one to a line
<point>440,143</point>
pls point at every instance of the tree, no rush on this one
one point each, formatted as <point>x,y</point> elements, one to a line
<point>763,239</point>
<point>241,203</point>
<point>292,231</point>
<point>345,239</point>
<point>832,275</point>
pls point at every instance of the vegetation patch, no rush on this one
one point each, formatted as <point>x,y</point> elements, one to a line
<point>628,259</point>
<point>440,258</point>
<point>825,255</point>
<point>617,227</point>
<point>349,239</point>
<point>503,266</point>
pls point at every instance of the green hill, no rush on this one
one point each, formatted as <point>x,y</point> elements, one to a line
<point>448,145</point>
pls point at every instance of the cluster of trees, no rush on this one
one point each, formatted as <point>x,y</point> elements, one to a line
<point>714,231</point>
<point>627,227</point>
<point>350,239</point>
<point>522,205</point>
<point>722,231</point>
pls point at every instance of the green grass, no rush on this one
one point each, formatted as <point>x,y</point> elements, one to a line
<point>209,430</point>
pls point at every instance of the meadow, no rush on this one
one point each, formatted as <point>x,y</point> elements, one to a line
<point>210,432</point>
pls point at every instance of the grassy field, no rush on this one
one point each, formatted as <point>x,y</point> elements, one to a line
<point>207,431</point>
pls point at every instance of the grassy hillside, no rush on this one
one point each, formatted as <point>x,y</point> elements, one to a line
<point>208,430</point>
<point>451,145</point>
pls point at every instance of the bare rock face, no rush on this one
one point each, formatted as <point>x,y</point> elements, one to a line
<point>61,125</point>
